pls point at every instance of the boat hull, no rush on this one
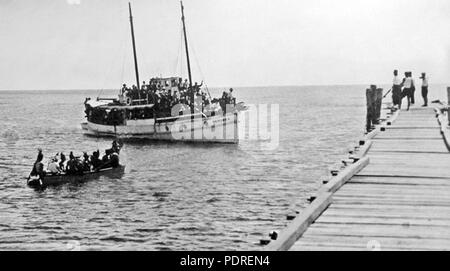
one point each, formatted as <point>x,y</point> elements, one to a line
<point>55,180</point>
<point>217,129</point>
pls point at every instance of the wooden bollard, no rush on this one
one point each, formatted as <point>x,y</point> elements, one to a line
<point>374,99</point>
<point>378,104</point>
<point>290,217</point>
<point>448,103</point>
<point>370,102</point>
<point>346,162</point>
<point>355,158</point>
<point>273,235</point>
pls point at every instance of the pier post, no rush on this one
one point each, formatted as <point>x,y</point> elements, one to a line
<point>448,104</point>
<point>378,103</point>
<point>374,98</point>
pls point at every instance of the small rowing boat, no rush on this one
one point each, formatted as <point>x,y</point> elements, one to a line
<point>63,178</point>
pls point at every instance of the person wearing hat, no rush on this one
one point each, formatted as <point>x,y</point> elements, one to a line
<point>231,97</point>
<point>408,90</point>
<point>424,89</point>
<point>397,90</point>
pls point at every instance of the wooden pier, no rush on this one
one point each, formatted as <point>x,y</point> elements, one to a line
<point>394,196</point>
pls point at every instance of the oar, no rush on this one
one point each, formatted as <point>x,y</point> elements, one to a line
<point>387,93</point>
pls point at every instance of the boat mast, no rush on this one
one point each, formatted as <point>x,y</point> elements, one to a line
<point>187,54</point>
<point>134,47</point>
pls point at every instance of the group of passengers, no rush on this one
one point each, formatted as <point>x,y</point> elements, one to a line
<point>164,94</point>
<point>161,92</point>
<point>59,164</point>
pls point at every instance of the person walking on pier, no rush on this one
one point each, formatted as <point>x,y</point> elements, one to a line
<point>424,89</point>
<point>397,90</point>
<point>408,84</point>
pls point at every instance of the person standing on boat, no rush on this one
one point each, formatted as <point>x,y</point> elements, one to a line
<point>231,98</point>
<point>124,89</point>
<point>38,166</point>
<point>114,160</point>
<point>62,161</point>
<point>424,89</point>
<point>71,156</point>
<point>397,90</point>
<point>197,87</point>
<point>186,84</point>
<point>134,92</point>
<point>116,146</point>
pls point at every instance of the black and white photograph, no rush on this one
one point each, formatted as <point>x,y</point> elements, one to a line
<point>224,126</point>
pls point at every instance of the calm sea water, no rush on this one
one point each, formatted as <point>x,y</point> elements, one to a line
<point>172,196</point>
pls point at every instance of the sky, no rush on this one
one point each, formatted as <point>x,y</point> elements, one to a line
<point>86,44</point>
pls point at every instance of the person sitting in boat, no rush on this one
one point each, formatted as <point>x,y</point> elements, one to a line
<point>114,160</point>
<point>106,159</point>
<point>95,160</point>
<point>180,84</point>
<point>86,162</point>
<point>74,166</point>
<point>71,167</point>
<point>53,167</point>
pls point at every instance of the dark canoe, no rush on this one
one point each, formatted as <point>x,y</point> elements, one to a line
<point>52,180</point>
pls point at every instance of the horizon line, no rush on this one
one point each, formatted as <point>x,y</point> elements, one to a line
<point>215,87</point>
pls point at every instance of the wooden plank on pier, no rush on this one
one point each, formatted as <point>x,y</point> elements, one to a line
<point>420,133</point>
<point>399,201</point>
<point>395,145</point>
<point>400,181</point>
